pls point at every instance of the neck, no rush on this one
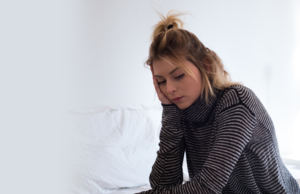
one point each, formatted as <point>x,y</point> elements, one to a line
<point>200,111</point>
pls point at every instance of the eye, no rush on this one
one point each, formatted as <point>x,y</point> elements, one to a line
<point>178,77</point>
<point>161,82</point>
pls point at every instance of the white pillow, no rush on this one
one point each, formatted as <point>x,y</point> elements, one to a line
<point>116,146</point>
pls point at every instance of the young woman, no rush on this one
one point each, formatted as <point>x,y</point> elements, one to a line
<point>227,134</point>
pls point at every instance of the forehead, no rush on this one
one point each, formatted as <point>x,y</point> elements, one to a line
<point>166,65</point>
<point>163,68</point>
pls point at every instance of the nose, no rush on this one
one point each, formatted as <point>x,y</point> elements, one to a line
<point>171,87</point>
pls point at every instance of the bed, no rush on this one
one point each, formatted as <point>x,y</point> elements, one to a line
<point>115,147</point>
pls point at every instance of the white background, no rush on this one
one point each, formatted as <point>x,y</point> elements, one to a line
<point>57,56</point>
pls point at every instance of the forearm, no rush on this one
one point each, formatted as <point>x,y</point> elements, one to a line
<point>167,169</point>
<point>197,186</point>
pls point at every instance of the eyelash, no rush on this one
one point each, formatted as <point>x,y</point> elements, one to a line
<point>178,77</point>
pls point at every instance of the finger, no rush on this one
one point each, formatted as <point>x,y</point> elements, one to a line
<point>151,68</point>
<point>156,85</point>
<point>157,88</point>
<point>154,79</point>
<point>155,82</point>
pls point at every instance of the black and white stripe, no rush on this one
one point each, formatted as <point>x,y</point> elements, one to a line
<point>230,144</point>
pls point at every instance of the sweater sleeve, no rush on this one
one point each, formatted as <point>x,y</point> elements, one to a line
<point>167,169</point>
<point>234,129</point>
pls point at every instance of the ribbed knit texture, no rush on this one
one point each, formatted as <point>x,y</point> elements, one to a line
<point>230,144</point>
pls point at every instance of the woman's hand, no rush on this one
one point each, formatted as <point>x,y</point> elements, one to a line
<point>163,99</point>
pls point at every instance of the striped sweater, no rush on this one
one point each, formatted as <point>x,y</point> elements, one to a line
<point>230,144</point>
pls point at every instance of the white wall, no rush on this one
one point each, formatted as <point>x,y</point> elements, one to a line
<point>72,54</point>
<point>33,93</point>
<point>257,41</point>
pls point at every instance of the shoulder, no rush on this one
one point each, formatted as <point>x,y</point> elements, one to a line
<point>233,107</point>
<point>235,95</point>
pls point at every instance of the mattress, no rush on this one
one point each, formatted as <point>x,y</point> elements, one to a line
<point>132,190</point>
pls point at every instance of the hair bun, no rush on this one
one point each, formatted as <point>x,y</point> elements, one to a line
<point>170,26</point>
<point>172,20</point>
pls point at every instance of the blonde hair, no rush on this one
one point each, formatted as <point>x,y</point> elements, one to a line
<point>177,43</point>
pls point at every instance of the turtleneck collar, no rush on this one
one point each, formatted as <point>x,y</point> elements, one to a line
<point>199,111</point>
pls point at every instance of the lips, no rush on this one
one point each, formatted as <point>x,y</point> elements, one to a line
<point>176,98</point>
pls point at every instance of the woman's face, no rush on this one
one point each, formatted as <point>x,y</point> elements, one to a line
<point>174,82</point>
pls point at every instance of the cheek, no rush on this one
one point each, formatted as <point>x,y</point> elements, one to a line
<point>163,89</point>
<point>192,84</point>
<point>189,82</point>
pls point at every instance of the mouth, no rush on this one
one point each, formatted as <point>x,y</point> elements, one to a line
<point>177,99</point>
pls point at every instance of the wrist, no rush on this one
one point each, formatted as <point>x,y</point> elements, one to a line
<point>170,111</point>
<point>169,108</point>
<point>167,104</point>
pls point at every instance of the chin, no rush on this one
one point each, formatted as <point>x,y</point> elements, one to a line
<point>182,106</point>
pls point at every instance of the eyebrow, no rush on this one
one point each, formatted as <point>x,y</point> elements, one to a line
<point>169,73</point>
